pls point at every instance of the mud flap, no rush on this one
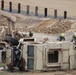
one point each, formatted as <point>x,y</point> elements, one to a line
<point>22,65</point>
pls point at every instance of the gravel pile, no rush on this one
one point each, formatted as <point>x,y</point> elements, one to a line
<point>50,26</point>
<point>3,21</point>
<point>26,23</point>
<point>56,28</point>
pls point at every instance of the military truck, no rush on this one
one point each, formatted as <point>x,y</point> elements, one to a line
<point>39,56</point>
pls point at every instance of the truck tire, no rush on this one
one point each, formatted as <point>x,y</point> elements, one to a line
<point>21,69</point>
<point>11,40</point>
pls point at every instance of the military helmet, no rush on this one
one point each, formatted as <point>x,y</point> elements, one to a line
<point>75,34</point>
<point>62,34</point>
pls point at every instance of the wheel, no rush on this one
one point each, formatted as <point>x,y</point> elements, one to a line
<point>11,40</point>
<point>10,68</point>
<point>21,69</point>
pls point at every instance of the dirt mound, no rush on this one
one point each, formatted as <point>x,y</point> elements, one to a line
<point>26,23</point>
<point>72,30</point>
<point>43,25</point>
<point>3,21</point>
<point>73,26</point>
<point>53,26</point>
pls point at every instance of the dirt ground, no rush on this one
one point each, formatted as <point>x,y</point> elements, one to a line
<point>70,72</point>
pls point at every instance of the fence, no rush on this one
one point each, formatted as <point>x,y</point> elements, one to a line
<point>31,10</point>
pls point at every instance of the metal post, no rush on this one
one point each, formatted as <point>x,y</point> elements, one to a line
<point>28,9</point>
<point>65,14</point>
<point>45,12</point>
<point>10,6</point>
<point>36,11</point>
<point>19,7</point>
<point>2,4</point>
<point>55,13</point>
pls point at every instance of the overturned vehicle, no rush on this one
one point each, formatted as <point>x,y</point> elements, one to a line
<point>38,56</point>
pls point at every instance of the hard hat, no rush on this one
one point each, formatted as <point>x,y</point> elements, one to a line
<point>62,34</point>
<point>75,34</point>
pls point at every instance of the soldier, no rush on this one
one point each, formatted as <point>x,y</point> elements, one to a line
<point>61,37</point>
<point>74,38</point>
<point>30,34</point>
